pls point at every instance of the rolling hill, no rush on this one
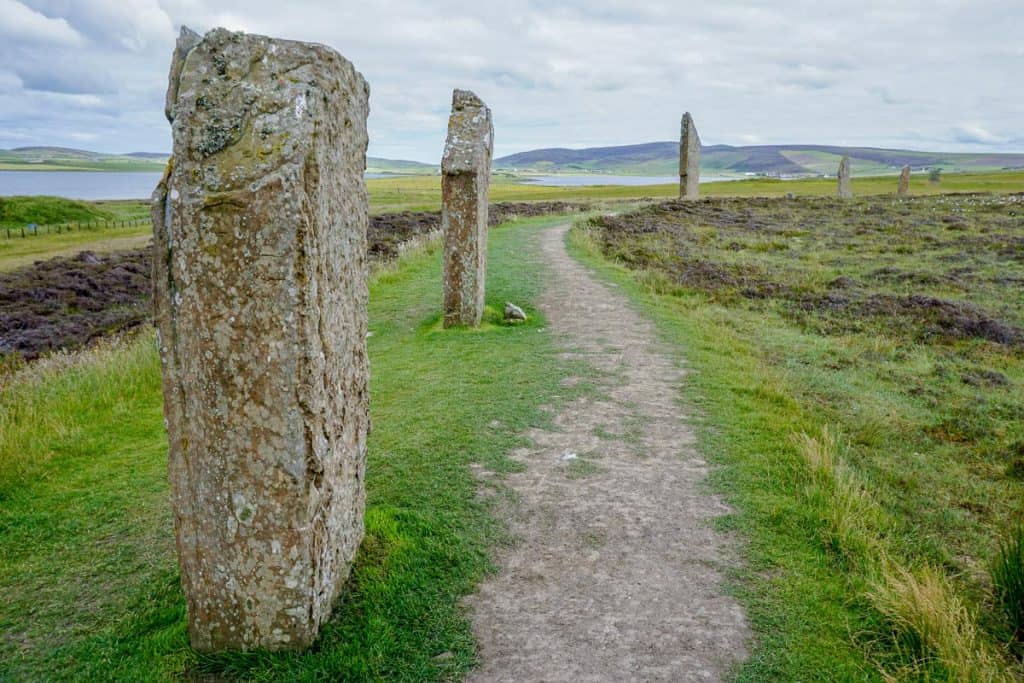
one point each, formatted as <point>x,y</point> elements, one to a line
<point>399,166</point>
<point>652,158</point>
<point>66,159</point>
<point>662,158</point>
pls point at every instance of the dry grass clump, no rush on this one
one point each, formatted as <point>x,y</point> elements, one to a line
<point>930,621</point>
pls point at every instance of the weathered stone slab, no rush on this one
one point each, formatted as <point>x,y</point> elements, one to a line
<point>260,306</point>
<point>843,176</point>
<point>689,159</point>
<point>903,189</point>
<point>465,179</point>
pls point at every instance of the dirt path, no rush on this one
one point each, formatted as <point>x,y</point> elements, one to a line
<point>616,574</point>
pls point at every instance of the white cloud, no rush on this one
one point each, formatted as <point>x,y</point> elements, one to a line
<point>131,25</point>
<point>21,23</point>
<point>562,73</point>
<point>974,134</point>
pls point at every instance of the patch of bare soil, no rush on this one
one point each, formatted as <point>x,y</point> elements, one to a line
<point>616,573</point>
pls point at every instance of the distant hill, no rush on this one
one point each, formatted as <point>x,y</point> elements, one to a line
<point>652,158</point>
<point>66,159</point>
<point>149,155</point>
<point>662,158</point>
<point>378,165</point>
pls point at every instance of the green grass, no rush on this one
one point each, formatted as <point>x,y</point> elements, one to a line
<point>1008,582</point>
<point>19,211</point>
<point>778,306</point>
<point>91,227</point>
<point>88,572</point>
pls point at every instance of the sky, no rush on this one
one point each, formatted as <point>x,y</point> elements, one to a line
<point>931,75</point>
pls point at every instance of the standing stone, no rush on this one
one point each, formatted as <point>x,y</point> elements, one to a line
<point>845,190</point>
<point>689,159</point>
<point>465,178</point>
<point>260,304</point>
<point>903,189</point>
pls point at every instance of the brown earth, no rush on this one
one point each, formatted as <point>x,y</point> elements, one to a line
<point>616,573</point>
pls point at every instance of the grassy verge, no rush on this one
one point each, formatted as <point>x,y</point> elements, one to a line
<point>88,570</point>
<point>869,445</point>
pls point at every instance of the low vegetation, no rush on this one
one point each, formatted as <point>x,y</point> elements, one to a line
<point>1008,583</point>
<point>860,367</point>
<point>89,574</point>
<point>64,303</point>
<point>67,302</point>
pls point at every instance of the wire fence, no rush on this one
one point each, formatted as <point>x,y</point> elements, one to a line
<point>34,230</point>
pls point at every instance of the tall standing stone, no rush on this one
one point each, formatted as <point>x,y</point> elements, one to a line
<point>903,189</point>
<point>845,189</point>
<point>260,304</point>
<point>465,178</point>
<point>689,159</point>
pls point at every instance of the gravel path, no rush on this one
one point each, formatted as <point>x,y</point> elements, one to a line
<point>616,574</point>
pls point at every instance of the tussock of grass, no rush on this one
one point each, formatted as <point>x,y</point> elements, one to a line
<point>933,622</point>
<point>1008,580</point>
<point>929,620</point>
<point>821,453</point>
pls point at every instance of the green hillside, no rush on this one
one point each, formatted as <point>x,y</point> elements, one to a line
<point>66,159</point>
<point>399,166</point>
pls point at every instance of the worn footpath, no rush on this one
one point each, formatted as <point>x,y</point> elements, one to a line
<point>616,573</point>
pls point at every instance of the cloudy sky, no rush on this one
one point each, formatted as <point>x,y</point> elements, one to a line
<point>932,74</point>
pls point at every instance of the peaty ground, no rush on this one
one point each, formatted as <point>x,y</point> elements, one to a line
<point>616,572</point>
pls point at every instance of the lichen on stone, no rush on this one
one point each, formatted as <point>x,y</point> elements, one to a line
<point>260,304</point>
